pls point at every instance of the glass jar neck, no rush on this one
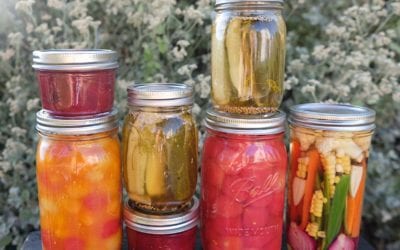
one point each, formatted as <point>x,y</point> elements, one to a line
<point>249,6</point>
<point>249,136</point>
<point>174,109</point>
<point>88,137</point>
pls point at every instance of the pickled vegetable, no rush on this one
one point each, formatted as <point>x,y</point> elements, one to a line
<point>160,160</point>
<point>332,217</point>
<point>248,57</point>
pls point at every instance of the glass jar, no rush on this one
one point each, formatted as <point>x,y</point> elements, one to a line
<point>248,56</point>
<point>328,158</point>
<point>76,82</point>
<point>160,147</point>
<point>243,181</point>
<point>148,232</point>
<point>79,182</point>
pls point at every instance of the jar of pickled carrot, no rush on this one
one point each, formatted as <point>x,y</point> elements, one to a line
<point>243,181</point>
<point>160,147</point>
<point>150,231</point>
<point>328,158</point>
<point>248,56</point>
<point>79,182</point>
<point>76,82</point>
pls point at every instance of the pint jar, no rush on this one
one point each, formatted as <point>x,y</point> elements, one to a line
<point>248,56</point>
<point>76,82</point>
<point>160,147</point>
<point>154,232</point>
<point>243,181</point>
<point>328,160</point>
<point>79,182</point>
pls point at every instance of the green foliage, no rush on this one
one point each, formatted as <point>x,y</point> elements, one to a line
<point>341,51</point>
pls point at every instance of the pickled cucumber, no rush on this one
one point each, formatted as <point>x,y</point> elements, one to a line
<point>155,181</point>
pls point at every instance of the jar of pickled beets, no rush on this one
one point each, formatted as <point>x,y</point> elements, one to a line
<point>161,232</point>
<point>79,182</point>
<point>243,181</point>
<point>76,82</point>
<point>328,157</point>
<point>160,147</point>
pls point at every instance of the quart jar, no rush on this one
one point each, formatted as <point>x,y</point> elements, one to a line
<point>243,181</point>
<point>248,56</point>
<point>160,147</point>
<point>328,158</point>
<point>79,182</point>
<point>151,232</point>
<point>76,82</point>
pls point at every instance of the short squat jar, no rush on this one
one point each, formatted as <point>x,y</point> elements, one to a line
<point>160,147</point>
<point>243,181</point>
<point>79,182</point>
<point>76,82</point>
<point>248,56</point>
<point>148,232</point>
<point>329,146</point>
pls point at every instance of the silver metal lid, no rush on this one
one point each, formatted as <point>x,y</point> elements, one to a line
<point>162,224</point>
<point>246,124</point>
<point>84,125</point>
<point>74,59</point>
<point>160,94</point>
<point>219,2</point>
<point>335,117</point>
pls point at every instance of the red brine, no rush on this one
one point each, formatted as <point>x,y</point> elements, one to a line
<point>243,187</point>
<point>77,93</point>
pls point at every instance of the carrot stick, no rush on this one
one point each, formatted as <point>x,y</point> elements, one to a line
<point>294,156</point>
<point>313,164</point>
<point>354,207</point>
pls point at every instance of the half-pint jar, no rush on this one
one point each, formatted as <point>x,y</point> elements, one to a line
<point>160,147</point>
<point>243,181</point>
<point>79,182</point>
<point>76,82</point>
<point>328,157</point>
<point>248,56</point>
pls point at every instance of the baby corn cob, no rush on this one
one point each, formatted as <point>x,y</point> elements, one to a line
<point>345,163</point>
<point>317,203</point>
<point>313,230</point>
<point>302,167</point>
<point>329,164</point>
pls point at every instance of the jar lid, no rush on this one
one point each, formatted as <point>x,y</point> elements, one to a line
<point>74,59</point>
<point>246,124</point>
<point>335,117</point>
<point>162,224</point>
<point>219,2</point>
<point>160,94</point>
<point>82,125</point>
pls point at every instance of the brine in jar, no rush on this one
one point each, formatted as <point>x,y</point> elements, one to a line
<point>160,147</point>
<point>248,56</point>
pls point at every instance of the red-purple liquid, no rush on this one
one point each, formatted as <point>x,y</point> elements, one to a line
<point>77,93</point>
<point>143,241</point>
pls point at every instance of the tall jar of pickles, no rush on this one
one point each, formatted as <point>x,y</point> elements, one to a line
<point>160,147</point>
<point>328,157</point>
<point>248,56</point>
<point>79,181</point>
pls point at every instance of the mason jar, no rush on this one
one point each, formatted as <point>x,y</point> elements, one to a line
<point>160,147</point>
<point>243,181</point>
<point>150,231</point>
<point>248,56</point>
<point>76,82</point>
<point>79,182</point>
<point>328,157</point>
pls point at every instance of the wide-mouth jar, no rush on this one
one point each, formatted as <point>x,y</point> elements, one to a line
<point>248,56</point>
<point>79,181</point>
<point>76,82</point>
<point>150,231</point>
<point>160,147</point>
<point>329,150</point>
<point>243,176</point>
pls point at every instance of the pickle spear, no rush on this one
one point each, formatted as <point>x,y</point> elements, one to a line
<point>155,182</point>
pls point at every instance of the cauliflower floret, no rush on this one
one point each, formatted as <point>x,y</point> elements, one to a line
<point>306,140</point>
<point>364,142</point>
<point>325,145</point>
<point>344,146</point>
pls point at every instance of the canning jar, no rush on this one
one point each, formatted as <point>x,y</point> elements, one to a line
<point>248,56</point>
<point>79,182</point>
<point>168,232</point>
<point>243,181</point>
<point>328,158</point>
<point>76,82</point>
<point>160,147</point>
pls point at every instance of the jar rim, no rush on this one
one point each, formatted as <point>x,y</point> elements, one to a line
<point>162,224</point>
<point>83,125</point>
